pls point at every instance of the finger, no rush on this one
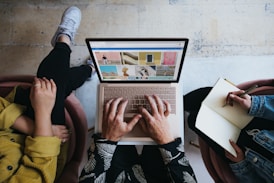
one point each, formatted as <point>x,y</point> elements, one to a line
<point>229,156</point>
<point>47,83</point>
<point>236,98</point>
<point>152,104</point>
<point>53,86</point>
<point>227,100</point>
<point>34,85</point>
<point>106,109</point>
<point>146,115</point>
<point>62,127</point>
<point>235,146</point>
<point>159,104</point>
<point>36,82</point>
<point>133,121</point>
<point>239,92</point>
<point>168,108</point>
<point>114,106</point>
<point>65,135</point>
<point>43,83</point>
<point>121,107</point>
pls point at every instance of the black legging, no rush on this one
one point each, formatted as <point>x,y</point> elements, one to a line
<point>192,104</point>
<point>56,66</point>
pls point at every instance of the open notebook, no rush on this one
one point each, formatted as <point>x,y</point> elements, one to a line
<point>132,68</point>
<point>219,122</point>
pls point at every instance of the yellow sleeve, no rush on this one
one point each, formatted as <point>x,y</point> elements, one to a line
<point>9,112</point>
<point>39,163</point>
<point>10,97</point>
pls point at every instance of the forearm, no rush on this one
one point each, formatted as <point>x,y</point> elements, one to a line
<point>175,160</point>
<point>42,125</point>
<point>24,125</point>
<point>99,159</point>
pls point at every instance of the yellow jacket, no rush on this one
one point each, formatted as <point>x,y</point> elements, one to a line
<point>24,158</point>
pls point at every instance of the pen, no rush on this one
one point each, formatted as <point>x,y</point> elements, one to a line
<point>248,90</point>
<point>229,82</point>
<point>245,92</point>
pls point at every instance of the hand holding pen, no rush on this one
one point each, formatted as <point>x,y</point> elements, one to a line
<point>241,97</point>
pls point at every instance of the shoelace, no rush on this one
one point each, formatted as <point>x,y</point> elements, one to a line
<point>68,26</point>
<point>68,23</point>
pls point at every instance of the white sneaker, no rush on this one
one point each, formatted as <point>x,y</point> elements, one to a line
<point>69,24</point>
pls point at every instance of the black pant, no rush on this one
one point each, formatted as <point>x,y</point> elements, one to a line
<point>56,66</point>
<point>192,104</point>
<point>151,161</point>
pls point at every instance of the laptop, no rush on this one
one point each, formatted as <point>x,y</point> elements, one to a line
<point>134,67</point>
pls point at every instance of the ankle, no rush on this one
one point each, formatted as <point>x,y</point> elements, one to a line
<point>64,38</point>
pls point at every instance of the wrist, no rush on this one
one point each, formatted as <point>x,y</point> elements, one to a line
<point>42,126</point>
<point>110,138</point>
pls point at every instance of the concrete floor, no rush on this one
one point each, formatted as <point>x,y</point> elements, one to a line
<point>231,46</point>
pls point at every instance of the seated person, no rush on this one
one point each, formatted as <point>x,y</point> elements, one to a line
<point>30,158</point>
<point>25,155</point>
<point>257,164</point>
<point>109,162</point>
<point>254,161</point>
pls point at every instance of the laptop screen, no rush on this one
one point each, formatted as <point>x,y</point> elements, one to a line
<point>138,60</point>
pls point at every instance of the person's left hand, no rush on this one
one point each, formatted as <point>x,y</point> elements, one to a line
<point>240,154</point>
<point>114,126</point>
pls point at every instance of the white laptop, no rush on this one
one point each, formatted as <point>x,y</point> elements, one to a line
<point>132,68</point>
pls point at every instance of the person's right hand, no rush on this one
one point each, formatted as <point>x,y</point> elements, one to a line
<point>155,124</point>
<point>244,101</point>
<point>113,125</point>
<point>42,95</point>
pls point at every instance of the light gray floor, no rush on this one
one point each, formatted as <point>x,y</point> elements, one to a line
<point>197,72</point>
<point>215,28</point>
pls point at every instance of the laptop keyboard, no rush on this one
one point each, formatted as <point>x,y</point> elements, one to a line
<point>136,98</point>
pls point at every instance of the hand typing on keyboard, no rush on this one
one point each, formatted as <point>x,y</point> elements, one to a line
<point>114,126</point>
<point>154,122</point>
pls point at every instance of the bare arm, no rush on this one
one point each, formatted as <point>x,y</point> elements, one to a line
<point>23,124</point>
<point>42,98</point>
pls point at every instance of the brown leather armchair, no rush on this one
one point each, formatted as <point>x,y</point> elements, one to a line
<point>75,120</point>
<point>218,169</point>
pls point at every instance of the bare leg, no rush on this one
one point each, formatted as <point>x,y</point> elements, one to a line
<point>64,39</point>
